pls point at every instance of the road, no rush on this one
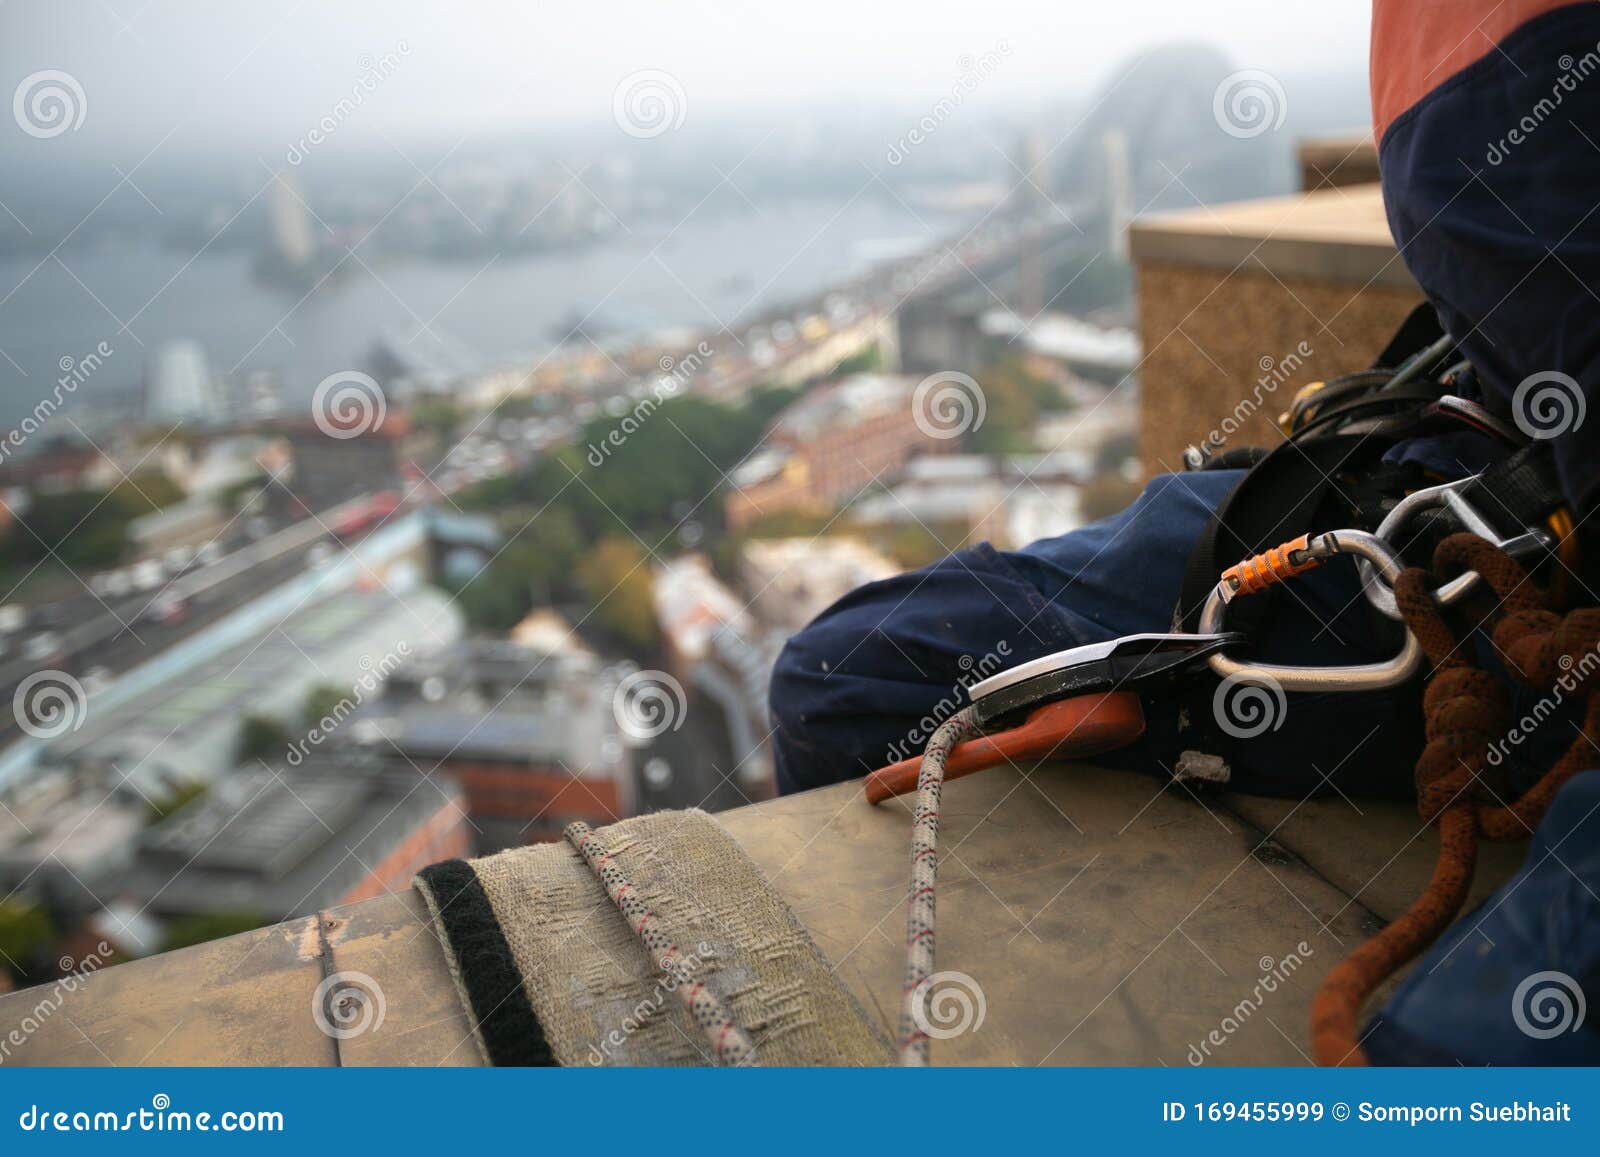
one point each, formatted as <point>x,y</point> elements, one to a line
<point>100,639</point>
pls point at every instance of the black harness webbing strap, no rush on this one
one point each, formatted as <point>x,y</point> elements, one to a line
<point>1420,330</point>
<point>1254,517</point>
<point>1519,491</point>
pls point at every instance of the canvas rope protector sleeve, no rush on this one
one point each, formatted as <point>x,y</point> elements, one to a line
<point>924,869</point>
<point>730,1044</point>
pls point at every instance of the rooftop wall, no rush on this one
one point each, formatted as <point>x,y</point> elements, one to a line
<point>1241,305</point>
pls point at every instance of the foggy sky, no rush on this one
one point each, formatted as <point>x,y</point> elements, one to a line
<point>201,70</point>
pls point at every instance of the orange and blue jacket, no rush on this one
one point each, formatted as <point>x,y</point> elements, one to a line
<point>1487,116</point>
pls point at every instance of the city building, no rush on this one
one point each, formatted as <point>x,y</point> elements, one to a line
<point>691,605</point>
<point>826,447</point>
<point>58,467</point>
<point>177,719</point>
<point>548,631</point>
<point>61,831</point>
<point>716,645</point>
<point>280,842</point>
<point>1071,343</point>
<point>791,580</point>
<point>530,734</point>
<point>327,469</point>
<point>203,465</point>
<point>293,244</point>
<point>1009,500</point>
<point>179,386</point>
<point>1100,422</point>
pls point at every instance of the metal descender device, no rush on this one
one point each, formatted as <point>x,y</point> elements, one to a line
<point>1086,700</point>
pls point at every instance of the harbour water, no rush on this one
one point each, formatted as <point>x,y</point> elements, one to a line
<point>703,274</point>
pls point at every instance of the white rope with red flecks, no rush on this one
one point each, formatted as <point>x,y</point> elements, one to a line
<point>924,869</point>
<point>729,1043</point>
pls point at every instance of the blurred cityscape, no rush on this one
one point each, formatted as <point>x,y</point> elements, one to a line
<point>361,509</point>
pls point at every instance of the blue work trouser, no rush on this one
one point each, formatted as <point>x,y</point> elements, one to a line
<point>858,687</point>
<point>1517,980</point>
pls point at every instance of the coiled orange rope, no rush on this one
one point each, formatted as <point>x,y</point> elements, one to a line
<point>1466,711</point>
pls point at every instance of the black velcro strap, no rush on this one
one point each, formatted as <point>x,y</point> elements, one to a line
<point>511,1031</point>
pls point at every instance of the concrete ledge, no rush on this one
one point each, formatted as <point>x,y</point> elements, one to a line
<point>1107,917</point>
<point>1338,235</point>
<point>1345,159</point>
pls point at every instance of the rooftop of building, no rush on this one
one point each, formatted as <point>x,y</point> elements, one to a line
<point>496,701</point>
<point>54,817</point>
<point>285,840</point>
<point>178,716</point>
<point>692,603</point>
<point>845,402</point>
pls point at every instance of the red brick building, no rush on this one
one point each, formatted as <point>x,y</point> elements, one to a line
<point>823,449</point>
<point>531,737</point>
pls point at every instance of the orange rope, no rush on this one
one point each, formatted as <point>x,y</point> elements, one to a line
<point>1466,712</point>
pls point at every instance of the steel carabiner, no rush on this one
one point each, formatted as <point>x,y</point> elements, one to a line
<point>1294,558</point>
